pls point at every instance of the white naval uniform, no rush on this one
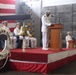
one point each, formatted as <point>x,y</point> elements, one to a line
<point>32,39</point>
<point>13,40</point>
<point>16,32</point>
<point>7,29</point>
<point>27,38</point>
<point>44,29</point>
<point>68,38</point>
<point>33,42</point>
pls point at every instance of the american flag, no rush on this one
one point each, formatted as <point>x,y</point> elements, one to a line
<point>7,7</point>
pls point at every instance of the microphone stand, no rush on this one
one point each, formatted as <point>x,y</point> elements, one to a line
<point>59,20</point>
<point>23,45</point>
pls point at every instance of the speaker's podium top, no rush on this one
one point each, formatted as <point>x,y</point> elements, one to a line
<point>56,26</point>
<point>55,36</point>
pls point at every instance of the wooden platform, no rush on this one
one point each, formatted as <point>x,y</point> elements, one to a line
<point>40,61</point>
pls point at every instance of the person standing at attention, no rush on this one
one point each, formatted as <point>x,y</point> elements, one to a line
<point>68,38</point>
<point>46,21</point>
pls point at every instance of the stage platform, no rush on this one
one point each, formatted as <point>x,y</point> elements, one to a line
<point>40,61</point>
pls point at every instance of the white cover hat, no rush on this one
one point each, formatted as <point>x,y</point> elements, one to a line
<point>4,22</point>
<point>17,23</point>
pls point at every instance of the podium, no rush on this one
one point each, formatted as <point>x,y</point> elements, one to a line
<point>72,43</point>
<point>56,36</point>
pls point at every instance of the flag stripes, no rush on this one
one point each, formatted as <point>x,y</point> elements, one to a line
<point>7,10</point>
<point>9,21</point>
<point>6,14</point>
<point>7,7</point>
<point>7,1</point>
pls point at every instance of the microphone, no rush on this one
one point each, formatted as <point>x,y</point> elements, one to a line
<point>52,15</point>
<point>59,20</point>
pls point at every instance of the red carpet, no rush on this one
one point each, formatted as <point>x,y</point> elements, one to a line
<point>35,55</point>
<point>40,61</point>
<point>38,50</point>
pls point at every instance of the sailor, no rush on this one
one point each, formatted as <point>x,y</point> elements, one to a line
<point>68,38</point>
<point>46,21</point>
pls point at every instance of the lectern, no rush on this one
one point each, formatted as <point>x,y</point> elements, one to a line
<point>72,43</point>
<point>56,36</point>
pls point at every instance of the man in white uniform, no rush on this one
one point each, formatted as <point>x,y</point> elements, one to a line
<point>5,23</point>
<point>16,34</point>
<point>46,21</point>
<point>33,42</point>
<point>68,38</point>
<point>30,41</point>
<point>28,37</point>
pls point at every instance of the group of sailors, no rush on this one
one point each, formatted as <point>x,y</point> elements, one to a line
<point>17,38</point>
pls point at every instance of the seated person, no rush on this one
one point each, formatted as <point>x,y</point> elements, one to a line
<point>16,34</point>
<point>68,38</point>
<point>32,41</point>
<point>5,23</point>
<point>13,42</point>
<point>29,40</point>
<point>19,38</point>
